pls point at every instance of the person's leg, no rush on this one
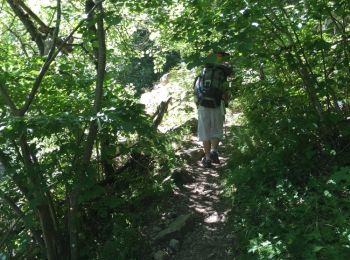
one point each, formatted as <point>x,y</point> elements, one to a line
<point>206,147</point>
<point>216,127</point>
<point>214,155</point>
<point>204,133</point>
<point>204,128</point>
<point>217,134</point>
<point>206,160</point>
<point>214,144</point>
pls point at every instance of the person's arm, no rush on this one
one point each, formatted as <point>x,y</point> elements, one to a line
<point>226,93</point>
<point>226,96</point>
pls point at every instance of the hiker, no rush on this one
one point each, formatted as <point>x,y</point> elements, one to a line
<point>212,96</point>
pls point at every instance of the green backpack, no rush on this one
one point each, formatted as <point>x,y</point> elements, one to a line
<point>208,86</point>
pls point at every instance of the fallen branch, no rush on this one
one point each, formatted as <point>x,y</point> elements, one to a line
<point>160,112</point>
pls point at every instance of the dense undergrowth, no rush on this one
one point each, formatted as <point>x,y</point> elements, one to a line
<point>122,191</point>
<point>125,183</point>
<point>290,179</point>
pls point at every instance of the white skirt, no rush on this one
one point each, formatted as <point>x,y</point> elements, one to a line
<point>210,123</point>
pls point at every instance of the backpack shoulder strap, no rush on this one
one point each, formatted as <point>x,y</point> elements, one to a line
<point>195,81</point>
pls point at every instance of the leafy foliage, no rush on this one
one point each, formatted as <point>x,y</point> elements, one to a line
<point>291,61</point>
<point>79,160</point>
<point>42,150</point>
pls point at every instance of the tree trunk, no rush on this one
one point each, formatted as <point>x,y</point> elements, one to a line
<point>37,188</point>
<point>83,164</point>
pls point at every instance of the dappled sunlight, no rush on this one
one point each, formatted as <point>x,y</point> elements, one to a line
<point>216,217</point>
<point>201,209</point>
<point>203,198</point>
<point>213,218</point>
<point>211,229</point>
<point>99,107</point>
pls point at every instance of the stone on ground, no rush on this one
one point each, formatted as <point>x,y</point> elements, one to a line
<point>177,228</point>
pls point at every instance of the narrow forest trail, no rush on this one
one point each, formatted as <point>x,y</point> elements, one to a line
<point>197,199</point>
<point>193,223</point>
<point>210,237</point>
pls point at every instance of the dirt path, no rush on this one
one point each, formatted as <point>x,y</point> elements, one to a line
<point>210,238</point>
<point>207,235</point>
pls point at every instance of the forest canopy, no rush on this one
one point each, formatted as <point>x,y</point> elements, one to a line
<point>72,125</point>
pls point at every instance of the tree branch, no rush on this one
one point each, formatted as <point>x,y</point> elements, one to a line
<point>56,31</point>
<point>10,229</point>
<point>18,37</point>
<point>8,100</point>
<point>5,160</point>
<point>85,159</point>
<point>48,62</point>
<point>21,215</point>
<point>32,30</point>
<point>43,27</point>
<point>159,114</point>
<point>43,207</point>
<point>101,65</point>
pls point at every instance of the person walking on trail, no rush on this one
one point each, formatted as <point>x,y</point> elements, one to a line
<point>211,96</point>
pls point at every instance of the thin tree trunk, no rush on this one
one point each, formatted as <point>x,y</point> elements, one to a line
<point>23,217</point>
<point>38,188</point>
<point>83,164</point>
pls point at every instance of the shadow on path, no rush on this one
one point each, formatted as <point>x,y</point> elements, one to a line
<point>208,236</point>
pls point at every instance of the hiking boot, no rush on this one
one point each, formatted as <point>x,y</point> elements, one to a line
<point>214,157</point>
<point>206,163</point>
